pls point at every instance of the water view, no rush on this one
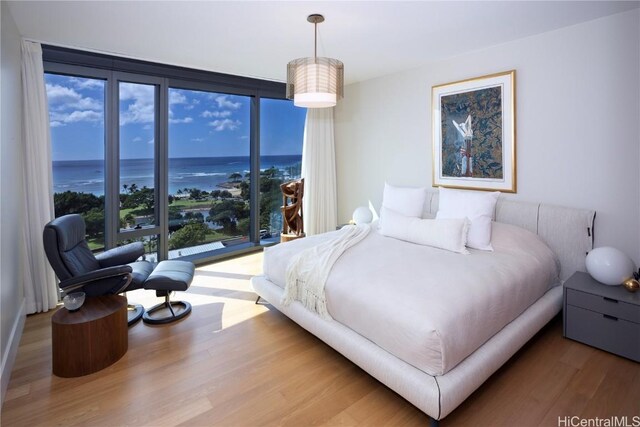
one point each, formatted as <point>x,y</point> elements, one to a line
<point>207,173</point>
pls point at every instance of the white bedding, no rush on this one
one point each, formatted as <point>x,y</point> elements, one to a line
<point>429,307</point>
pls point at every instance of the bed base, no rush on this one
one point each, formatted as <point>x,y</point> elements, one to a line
<point>435,396</point>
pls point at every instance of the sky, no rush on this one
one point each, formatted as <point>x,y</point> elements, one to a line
<point>201,124</point>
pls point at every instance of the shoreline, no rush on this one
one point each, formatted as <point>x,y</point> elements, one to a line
<point>231,187</point>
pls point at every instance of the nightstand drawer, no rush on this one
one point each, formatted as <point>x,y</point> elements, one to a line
<point>617,336</point>
<point>612,307</point>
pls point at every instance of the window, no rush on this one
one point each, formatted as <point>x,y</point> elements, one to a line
<point>281,133</point>
<point>138,109</point>
<point>76,117</point>
<point>166,155</point>
<point>209,164</point>
<point>137,155</point>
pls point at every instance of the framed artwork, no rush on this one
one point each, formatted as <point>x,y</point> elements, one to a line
<point>474,133</point>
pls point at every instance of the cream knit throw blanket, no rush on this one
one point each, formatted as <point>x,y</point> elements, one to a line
<point>308,271</point>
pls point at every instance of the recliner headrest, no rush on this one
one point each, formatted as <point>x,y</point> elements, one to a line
<point>70,230</point>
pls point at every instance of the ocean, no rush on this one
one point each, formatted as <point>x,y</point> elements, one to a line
<point>199,172</point>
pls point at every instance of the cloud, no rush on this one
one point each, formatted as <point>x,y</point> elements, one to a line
<point>87,115</point>
<point>151,141</point>
<point>141,106</point>
<point>225,124</point>
<point>175,97</point>
<point>224,102</point>
<point>62,98</point>
<point>137,139</point>
<point>197,139</point>
<point>216,114</point>
<point>66,105</point>
<point>184,120</point>
<point>58,119</point>
<point>84,83</point>
<point>178,121</point>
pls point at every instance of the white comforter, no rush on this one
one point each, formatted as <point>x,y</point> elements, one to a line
<point>429,307</point>
<point>308,270</point>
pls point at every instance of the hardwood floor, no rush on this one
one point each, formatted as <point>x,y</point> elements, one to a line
<point>235,363</point>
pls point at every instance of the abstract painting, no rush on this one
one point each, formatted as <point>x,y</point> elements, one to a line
<point>474,133</point>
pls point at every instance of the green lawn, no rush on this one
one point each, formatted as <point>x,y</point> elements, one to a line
<point>191,204</point>
<point>181,204</point>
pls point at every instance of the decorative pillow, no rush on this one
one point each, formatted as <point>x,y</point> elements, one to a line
<point>448,234</point>
<point>478,206</point>
<point>407,201</point>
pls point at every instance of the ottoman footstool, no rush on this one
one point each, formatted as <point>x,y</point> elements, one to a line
<point>169,276</point>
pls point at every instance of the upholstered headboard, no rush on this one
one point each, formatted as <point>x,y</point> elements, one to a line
<point>567,231</point>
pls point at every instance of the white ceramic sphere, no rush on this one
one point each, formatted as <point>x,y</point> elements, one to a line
<point>362,215</point>
<point>609,265</point>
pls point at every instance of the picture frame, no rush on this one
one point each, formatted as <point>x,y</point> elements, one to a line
<point>474,133</point>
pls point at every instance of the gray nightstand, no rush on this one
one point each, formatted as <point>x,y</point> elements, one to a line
<point>606,317</point>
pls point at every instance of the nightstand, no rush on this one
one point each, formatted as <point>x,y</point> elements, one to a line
<point>606,317</point>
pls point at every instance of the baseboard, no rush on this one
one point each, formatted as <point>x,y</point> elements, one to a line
<point>9,357</point>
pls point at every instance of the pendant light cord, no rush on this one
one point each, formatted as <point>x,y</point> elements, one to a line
<point>315,42</point>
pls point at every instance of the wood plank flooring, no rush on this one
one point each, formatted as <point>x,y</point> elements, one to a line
<point>235,363</point>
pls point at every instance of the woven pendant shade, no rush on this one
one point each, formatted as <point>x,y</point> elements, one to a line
<point>315,82</point>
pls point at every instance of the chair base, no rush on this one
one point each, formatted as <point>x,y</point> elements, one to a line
<point>134,313</point>
<point>175,310</point>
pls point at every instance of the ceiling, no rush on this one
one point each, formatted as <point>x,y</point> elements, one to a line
<point>257,39</point>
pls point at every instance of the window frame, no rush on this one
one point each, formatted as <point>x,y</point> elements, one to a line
<point>113,69</point>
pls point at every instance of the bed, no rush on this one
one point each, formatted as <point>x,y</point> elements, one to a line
<point>420,359</point>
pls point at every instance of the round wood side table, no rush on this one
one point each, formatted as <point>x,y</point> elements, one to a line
<point>91,338</point>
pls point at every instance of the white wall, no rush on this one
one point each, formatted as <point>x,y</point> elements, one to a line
<point>578,124</point>
<point>11,293</point>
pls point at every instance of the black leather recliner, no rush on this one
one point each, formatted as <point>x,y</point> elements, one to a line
<point>115,270</point>
<point>111,272</point>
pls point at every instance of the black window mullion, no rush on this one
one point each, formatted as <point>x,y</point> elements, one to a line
<point>254,183</point>
<point>162,172</point>
<point>76,70</point>
<point>112,164</point>
<point>210,87</point>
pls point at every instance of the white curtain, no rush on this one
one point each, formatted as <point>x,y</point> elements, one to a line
<point>319,202</point>
<point>40,287</point>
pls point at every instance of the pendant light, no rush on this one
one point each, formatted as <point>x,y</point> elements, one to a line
<point>315,82</point>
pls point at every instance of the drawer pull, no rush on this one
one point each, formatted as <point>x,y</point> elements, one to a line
<point>610,299</point>
<point>606,316</point>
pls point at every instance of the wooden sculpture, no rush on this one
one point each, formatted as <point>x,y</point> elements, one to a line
<point>292,223</point>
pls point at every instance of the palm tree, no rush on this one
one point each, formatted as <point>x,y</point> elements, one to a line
<point>235,177</point>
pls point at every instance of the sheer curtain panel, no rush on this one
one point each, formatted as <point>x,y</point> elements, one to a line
<point>319,203</point>
<point>40,287</point>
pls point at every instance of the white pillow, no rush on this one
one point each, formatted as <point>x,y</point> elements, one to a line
<point>407,201</point>
<point>449,234</point>
<point>478,206</point>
